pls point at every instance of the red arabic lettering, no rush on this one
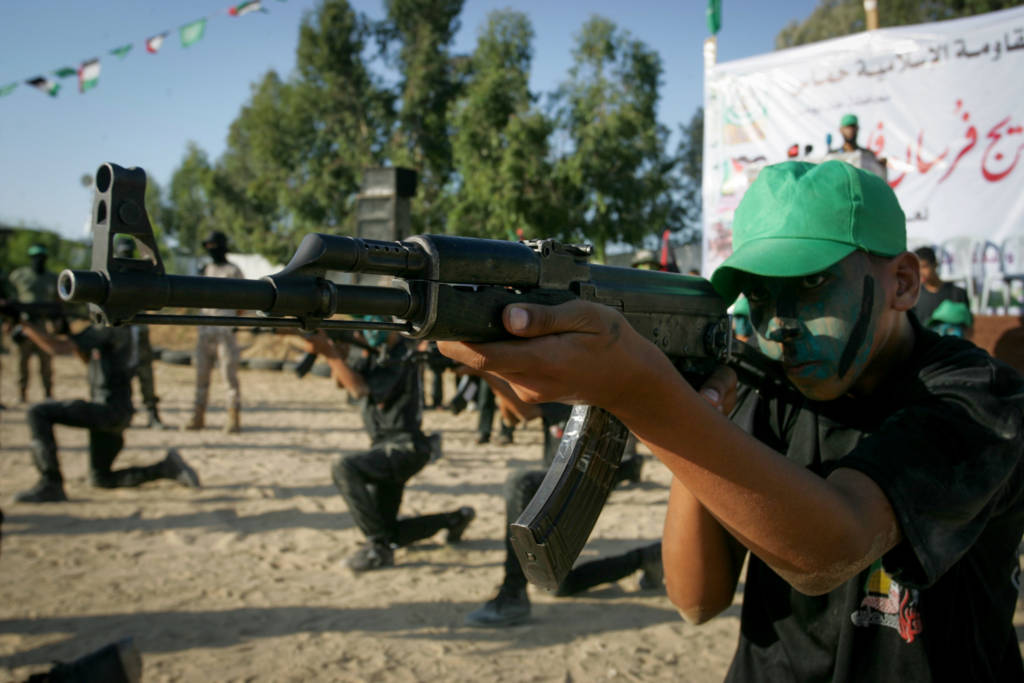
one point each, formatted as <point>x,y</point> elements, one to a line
<point>995,136</point>
<point>972,140</point>
<point>923,166</point>
<point>876,141</point>
<point>894,183</point>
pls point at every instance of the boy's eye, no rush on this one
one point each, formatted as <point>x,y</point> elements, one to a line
<point>813,281</point>
<point>756,293</point>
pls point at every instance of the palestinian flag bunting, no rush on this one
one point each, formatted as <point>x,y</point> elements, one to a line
<point>49,87</point>
<point>192,33</point>
<point>122,51</point>
<point>65,71</point>
<point>243,8</point>
<point>153,44</point>
<point>7,89</point>
<point>88,75</point>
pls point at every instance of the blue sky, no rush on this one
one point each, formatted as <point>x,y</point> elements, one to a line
<point>146,107</point>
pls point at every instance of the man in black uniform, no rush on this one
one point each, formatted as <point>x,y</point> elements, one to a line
<point>372,482</point>
<point>125,248</point>
<point>110,353</point>
<point>512,603</point>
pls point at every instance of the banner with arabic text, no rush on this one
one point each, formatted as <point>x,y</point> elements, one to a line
<point>941,104</point>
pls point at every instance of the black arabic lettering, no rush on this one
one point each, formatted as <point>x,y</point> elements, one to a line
<point>1018,44</point>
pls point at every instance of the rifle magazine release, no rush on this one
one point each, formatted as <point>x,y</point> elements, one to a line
<point>549,535</point>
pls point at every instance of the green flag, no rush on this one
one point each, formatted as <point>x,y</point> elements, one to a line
<point>192,33</point>
<point>714,15</point>
<point>65,71</point>
<point>121,51</point>
<point>8,89</point>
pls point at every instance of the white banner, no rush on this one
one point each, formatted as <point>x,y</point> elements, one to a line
<point>942,104</point>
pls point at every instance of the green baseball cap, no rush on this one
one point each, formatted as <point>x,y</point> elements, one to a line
<point>952,313</point>
<point>37,250</point>
<point>799,218</point>
<point>848,120</point>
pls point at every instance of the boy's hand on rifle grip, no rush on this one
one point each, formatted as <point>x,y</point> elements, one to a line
<point>576,352</point>
<point>720,389</point>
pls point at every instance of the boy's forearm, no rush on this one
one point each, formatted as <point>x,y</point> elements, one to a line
<point>701,564</point>
<point>815,533</point>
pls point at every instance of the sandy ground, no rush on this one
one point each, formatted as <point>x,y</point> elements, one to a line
<point>244,580</point>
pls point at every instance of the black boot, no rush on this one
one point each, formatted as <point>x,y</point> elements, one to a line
<point>118,662</point>
<point>46,490</point>
<point>154,421</point>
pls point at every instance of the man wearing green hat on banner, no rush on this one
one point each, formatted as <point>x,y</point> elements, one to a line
<point>848,128</point>
<point>880,510</point>
<point>34,284</point>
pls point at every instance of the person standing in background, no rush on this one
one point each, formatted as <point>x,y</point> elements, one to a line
<point>214,341</point>
<point>34,284</point>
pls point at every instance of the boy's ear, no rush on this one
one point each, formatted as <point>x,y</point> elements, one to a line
<point>906,274</point>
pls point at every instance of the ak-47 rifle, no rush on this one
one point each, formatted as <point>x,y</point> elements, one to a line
<point>444,288</point>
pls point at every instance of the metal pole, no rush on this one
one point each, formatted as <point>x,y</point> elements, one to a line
<point>871,13</point>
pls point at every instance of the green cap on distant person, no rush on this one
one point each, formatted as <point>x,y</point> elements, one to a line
<point>848,120</point>
<point>37,250</point>
<point>951,313</point>
<point>799,218</point>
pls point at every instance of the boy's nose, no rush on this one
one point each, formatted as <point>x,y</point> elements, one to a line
<point>782,329</point>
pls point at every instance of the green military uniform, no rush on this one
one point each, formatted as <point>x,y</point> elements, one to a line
<point>32,287</point>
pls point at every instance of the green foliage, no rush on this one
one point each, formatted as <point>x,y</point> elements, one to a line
<point>468,125</point>
<point>622,181</point>
<point>833,18</point>
<point>500,141</point>
<point>424,31</point>
<point>691,163</point>
<point>63,253</point>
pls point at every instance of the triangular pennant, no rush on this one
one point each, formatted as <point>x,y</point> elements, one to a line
<point>45,84</point>
<point>88,75</point>
<point>122,51</point>
<point>153,44</point>
<point>7,89</point>
<point>192,33</point>
<point>64,72</point>
<point>244,8</point>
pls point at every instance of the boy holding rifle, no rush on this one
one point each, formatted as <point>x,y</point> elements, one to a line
<point>882,511</point>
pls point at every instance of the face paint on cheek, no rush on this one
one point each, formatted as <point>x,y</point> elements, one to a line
<point>859,333</point>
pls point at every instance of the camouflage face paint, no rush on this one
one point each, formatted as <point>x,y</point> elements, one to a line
<point>821,327</point>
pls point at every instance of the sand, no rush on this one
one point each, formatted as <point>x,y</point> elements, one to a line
<point>244,580</point>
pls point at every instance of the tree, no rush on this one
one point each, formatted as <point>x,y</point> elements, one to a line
<point>500,141</point>
<point>833,18</point>
<point>187,212</point>
<point>691,164</point>
<point>622,180</point>
<point>424,31</point>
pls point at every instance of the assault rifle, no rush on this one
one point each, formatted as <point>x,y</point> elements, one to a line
<point>443,288</point>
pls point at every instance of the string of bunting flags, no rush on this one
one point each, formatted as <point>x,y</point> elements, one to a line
<point>88,72</point>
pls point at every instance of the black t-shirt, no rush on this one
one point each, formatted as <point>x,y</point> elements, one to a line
<point>927,302</point>
<point>943,440</point>
<point>113,356</point>
<point>392,411</point>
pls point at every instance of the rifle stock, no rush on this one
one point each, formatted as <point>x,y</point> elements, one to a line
<point>445,288</point>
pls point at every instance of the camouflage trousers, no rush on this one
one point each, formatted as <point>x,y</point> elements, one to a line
<point>214,341</point>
